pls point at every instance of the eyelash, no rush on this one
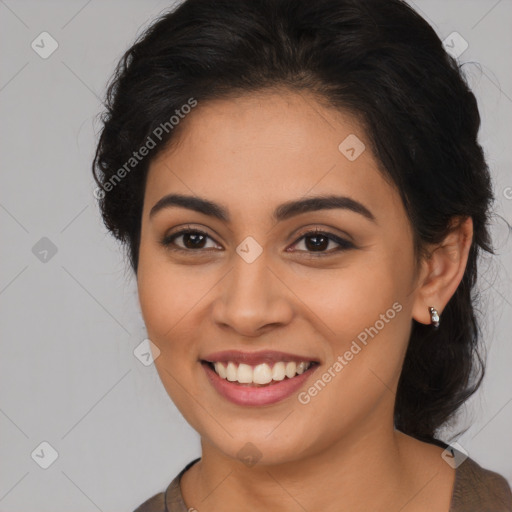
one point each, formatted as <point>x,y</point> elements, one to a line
<point>168,241</point>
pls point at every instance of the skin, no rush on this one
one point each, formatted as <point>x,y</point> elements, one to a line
<point>251,154</point>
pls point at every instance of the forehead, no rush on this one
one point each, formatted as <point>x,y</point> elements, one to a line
<point>261,149</point>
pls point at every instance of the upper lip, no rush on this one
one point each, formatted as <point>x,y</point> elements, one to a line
<point>254,358</point>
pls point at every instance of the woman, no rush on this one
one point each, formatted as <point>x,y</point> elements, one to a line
<point>303,198</point>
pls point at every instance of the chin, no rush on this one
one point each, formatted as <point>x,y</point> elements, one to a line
<point>257,447</point>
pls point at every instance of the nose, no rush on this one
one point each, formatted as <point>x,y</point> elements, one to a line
<point>252,299</point>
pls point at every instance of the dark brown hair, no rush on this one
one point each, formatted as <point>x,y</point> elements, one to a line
<point>377,59</point>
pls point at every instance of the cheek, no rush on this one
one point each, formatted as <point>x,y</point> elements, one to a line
<point>167,293</point>
<point>366,309</point>
<point>345,301</point>
<point>361,376</point>
<point>158,299</point>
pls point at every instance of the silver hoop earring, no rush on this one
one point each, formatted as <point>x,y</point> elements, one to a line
<point>434,317</point>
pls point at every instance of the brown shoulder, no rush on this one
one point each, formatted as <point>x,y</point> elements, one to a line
<point>154,504</point>
<point>477,489</point>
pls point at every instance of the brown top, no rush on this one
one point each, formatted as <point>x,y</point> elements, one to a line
<point>475,490</point>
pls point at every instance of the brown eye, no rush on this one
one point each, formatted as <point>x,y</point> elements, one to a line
<point>318,241</point>
<point>192,240</point>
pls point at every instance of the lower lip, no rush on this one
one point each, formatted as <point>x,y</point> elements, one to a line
<point>242,394</point>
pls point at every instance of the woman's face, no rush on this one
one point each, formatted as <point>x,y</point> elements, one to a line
<point>255,285</point>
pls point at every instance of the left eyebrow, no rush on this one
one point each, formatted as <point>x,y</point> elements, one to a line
<point>282,212</point>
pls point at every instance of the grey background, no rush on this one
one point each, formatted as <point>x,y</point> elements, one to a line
<point>69,325</point>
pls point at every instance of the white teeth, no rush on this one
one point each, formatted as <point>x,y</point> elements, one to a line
<point>231,372</point>
<point>301,367</point>
<point>221,370</point>
<point>290,370</point>
<point>261,373</point>
<point>278,371</point>
<point>244,374</point>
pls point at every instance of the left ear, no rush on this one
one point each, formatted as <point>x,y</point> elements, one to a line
<point>442,273</point>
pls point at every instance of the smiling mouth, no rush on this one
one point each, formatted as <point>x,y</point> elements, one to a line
<point>259,375</point>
